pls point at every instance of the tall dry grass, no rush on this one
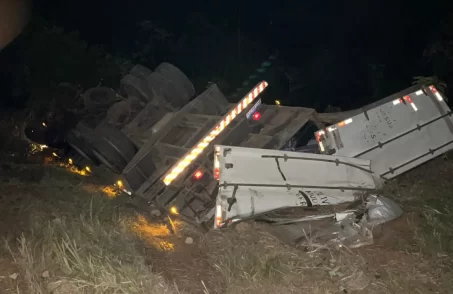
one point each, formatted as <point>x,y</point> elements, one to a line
<point>78,241</point>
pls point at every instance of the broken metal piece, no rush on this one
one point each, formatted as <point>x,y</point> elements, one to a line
<point>353,229</point>
<point>232,200</point>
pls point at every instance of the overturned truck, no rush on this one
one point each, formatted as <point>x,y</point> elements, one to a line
<point>160,140</point>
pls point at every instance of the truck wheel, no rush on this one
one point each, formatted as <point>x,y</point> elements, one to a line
<point>177,78</point>
<point>123,112</point>
<point>79,144</point>
<point>140,71</point>
<point>163,88</point>
<point>156,84</point>
<point>99,98</point>
<point>113,148</point>
<point>133,86</point>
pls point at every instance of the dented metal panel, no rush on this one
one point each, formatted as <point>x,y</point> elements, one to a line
<point>253,201</point>
<point>255,181</point>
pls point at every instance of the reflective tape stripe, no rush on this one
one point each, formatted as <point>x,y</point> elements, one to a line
<point>180,166</point>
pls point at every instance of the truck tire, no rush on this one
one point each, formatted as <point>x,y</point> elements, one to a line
<point>140,128</point>
<point>156,84</point>
<point>140,71</point>
<point>81,146</point>
<point>177,78</point>
<point>99,98</point>
<point>112,148</point>
<point>132,86</point>
<point>163,88</point>
<point>123,112</point>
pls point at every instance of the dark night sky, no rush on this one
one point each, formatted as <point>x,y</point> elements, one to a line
<point>332,40</point>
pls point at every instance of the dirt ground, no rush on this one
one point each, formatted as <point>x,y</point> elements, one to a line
<point>68,233</point>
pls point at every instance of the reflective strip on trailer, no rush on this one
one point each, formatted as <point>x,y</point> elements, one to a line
<point>218,216</point>
<point>436,93</point>
<point>406,99</point>
<point>216,163</point>
<point>409,100</point>
<point>397,101</point>
<point>345,122</point>
<point>339,125</point>
<point>253,110</point>
<point>319,138</point>
<point>180,166</point>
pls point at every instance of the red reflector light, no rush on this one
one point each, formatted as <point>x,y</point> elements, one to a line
<point>216,173</point>
<point>198,174</point>
<point>256,116</point>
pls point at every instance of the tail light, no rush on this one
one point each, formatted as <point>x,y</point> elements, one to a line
<point>198,175</point>
<point>256,116</point>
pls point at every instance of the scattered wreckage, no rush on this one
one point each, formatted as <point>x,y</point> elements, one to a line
<point>206,160</point>
<point>357,155</point>
<point>260,184</point>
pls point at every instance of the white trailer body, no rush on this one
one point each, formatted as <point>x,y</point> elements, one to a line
<point>397,133</point>
<point>256,181</point>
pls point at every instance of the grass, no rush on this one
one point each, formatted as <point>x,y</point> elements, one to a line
<point>256,262</point>
<point>75,240</point>
<point>427,193</point>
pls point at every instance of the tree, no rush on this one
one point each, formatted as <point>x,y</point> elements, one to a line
<point>428,81</point>
<point>51,56</point>
<point>438,56</point>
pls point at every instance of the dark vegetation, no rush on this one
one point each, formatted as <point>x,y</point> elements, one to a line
<point>46,56</point>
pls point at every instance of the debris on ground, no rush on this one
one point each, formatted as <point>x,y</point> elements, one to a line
<point>351,228</point>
